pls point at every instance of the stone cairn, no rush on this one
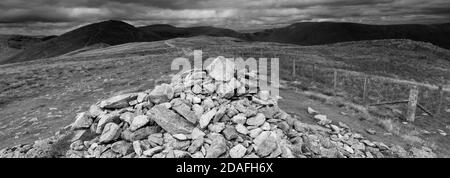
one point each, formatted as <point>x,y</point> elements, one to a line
<point>210,113</point>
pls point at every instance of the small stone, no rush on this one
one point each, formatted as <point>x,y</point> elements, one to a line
<point>122,147</point>
<point>155,139</point>
<point>197,89</point>
<point>106,118</point>
<point>258,120</point>
<point>110,133</point>
<point>221,69</point>
<point>348,149</point>
<point>197,133</point>
<point>152,151</point>
<point>266,126</point>
<point>180,136</point>
<point>217,147</point>
<point>198,110</point>
<point>312,111</point>
<point>206,118</point>
<point>209,88</point>
<point>255,132</point>
<point>195,145</point>
<point>322,119</point>
<point>83,121</point>
<point>118,102</point>
<point>238,151</point>
<point>265,143</point>
<point>239,119</point>
<point>216,127</point>
<point>161,93</point>
<point>371,131</point>
<point>139,134</point>
<point>241,129</point>
<point>95,111</point>
<point>138,122</point>
<point>230,133</point>
<point>264,95</point>
<point>137,148</point>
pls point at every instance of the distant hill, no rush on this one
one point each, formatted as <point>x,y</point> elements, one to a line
<point>306,33</point>
<point>169,31</point>
<point>316,33</point>
<point>108,32</point>
<point>11,45</point>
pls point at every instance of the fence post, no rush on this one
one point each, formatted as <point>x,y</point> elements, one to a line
<point>412,104</point>
<point>293,68</point>
<point>335,83</point>
<point>365,90</point>
<point>441,101</point>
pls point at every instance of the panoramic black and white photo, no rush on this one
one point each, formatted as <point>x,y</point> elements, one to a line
<point>224,79</point>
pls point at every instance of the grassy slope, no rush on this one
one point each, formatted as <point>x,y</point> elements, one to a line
<point>53,90</point>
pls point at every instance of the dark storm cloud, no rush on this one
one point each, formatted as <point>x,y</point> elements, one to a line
<point>63,15</point>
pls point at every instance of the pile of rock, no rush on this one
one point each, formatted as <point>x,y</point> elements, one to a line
<point>209,114</point>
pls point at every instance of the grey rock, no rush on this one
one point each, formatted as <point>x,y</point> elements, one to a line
<point>117,102</point>
<point>230,132</point>
<point>221,69</point>
<point>139,134</point>
<point>138,122</point>
<point>110,133</point>
<point>169,120</point>
<point>184,110</point>
<point>206,118</point>
<point>107,118</point>
<point>238,151</point>
<point>122,147</point>
<point>161,93</point>
<point>218,146</point>
<point>82,121</point>
<point>150,152</point>
<point>258,120</point>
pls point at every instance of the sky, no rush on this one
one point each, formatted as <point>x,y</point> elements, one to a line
<point>48,17</point>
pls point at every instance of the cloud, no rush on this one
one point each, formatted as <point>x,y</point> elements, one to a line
<point>236,14</point>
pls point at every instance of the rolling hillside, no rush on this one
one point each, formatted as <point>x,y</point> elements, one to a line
<point>306,33</point>
<point>107,32</point>
<point>317,33</point>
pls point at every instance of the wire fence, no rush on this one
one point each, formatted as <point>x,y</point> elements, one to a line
<point>358,87</point>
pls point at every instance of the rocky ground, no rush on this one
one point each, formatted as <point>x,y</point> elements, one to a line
<point>204,114</point>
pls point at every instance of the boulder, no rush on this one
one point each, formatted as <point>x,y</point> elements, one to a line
<point>184,110</point>
<point>169,120</point>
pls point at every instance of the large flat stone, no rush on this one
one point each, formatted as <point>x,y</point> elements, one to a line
<point>117,102</point>
<point>169,120</point>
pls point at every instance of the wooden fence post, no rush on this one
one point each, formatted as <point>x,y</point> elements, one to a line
<point>293,68</point>
<point>335,83</point>
<point>365,90</point>
<point>440,100</point>
<point>412,104</point>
